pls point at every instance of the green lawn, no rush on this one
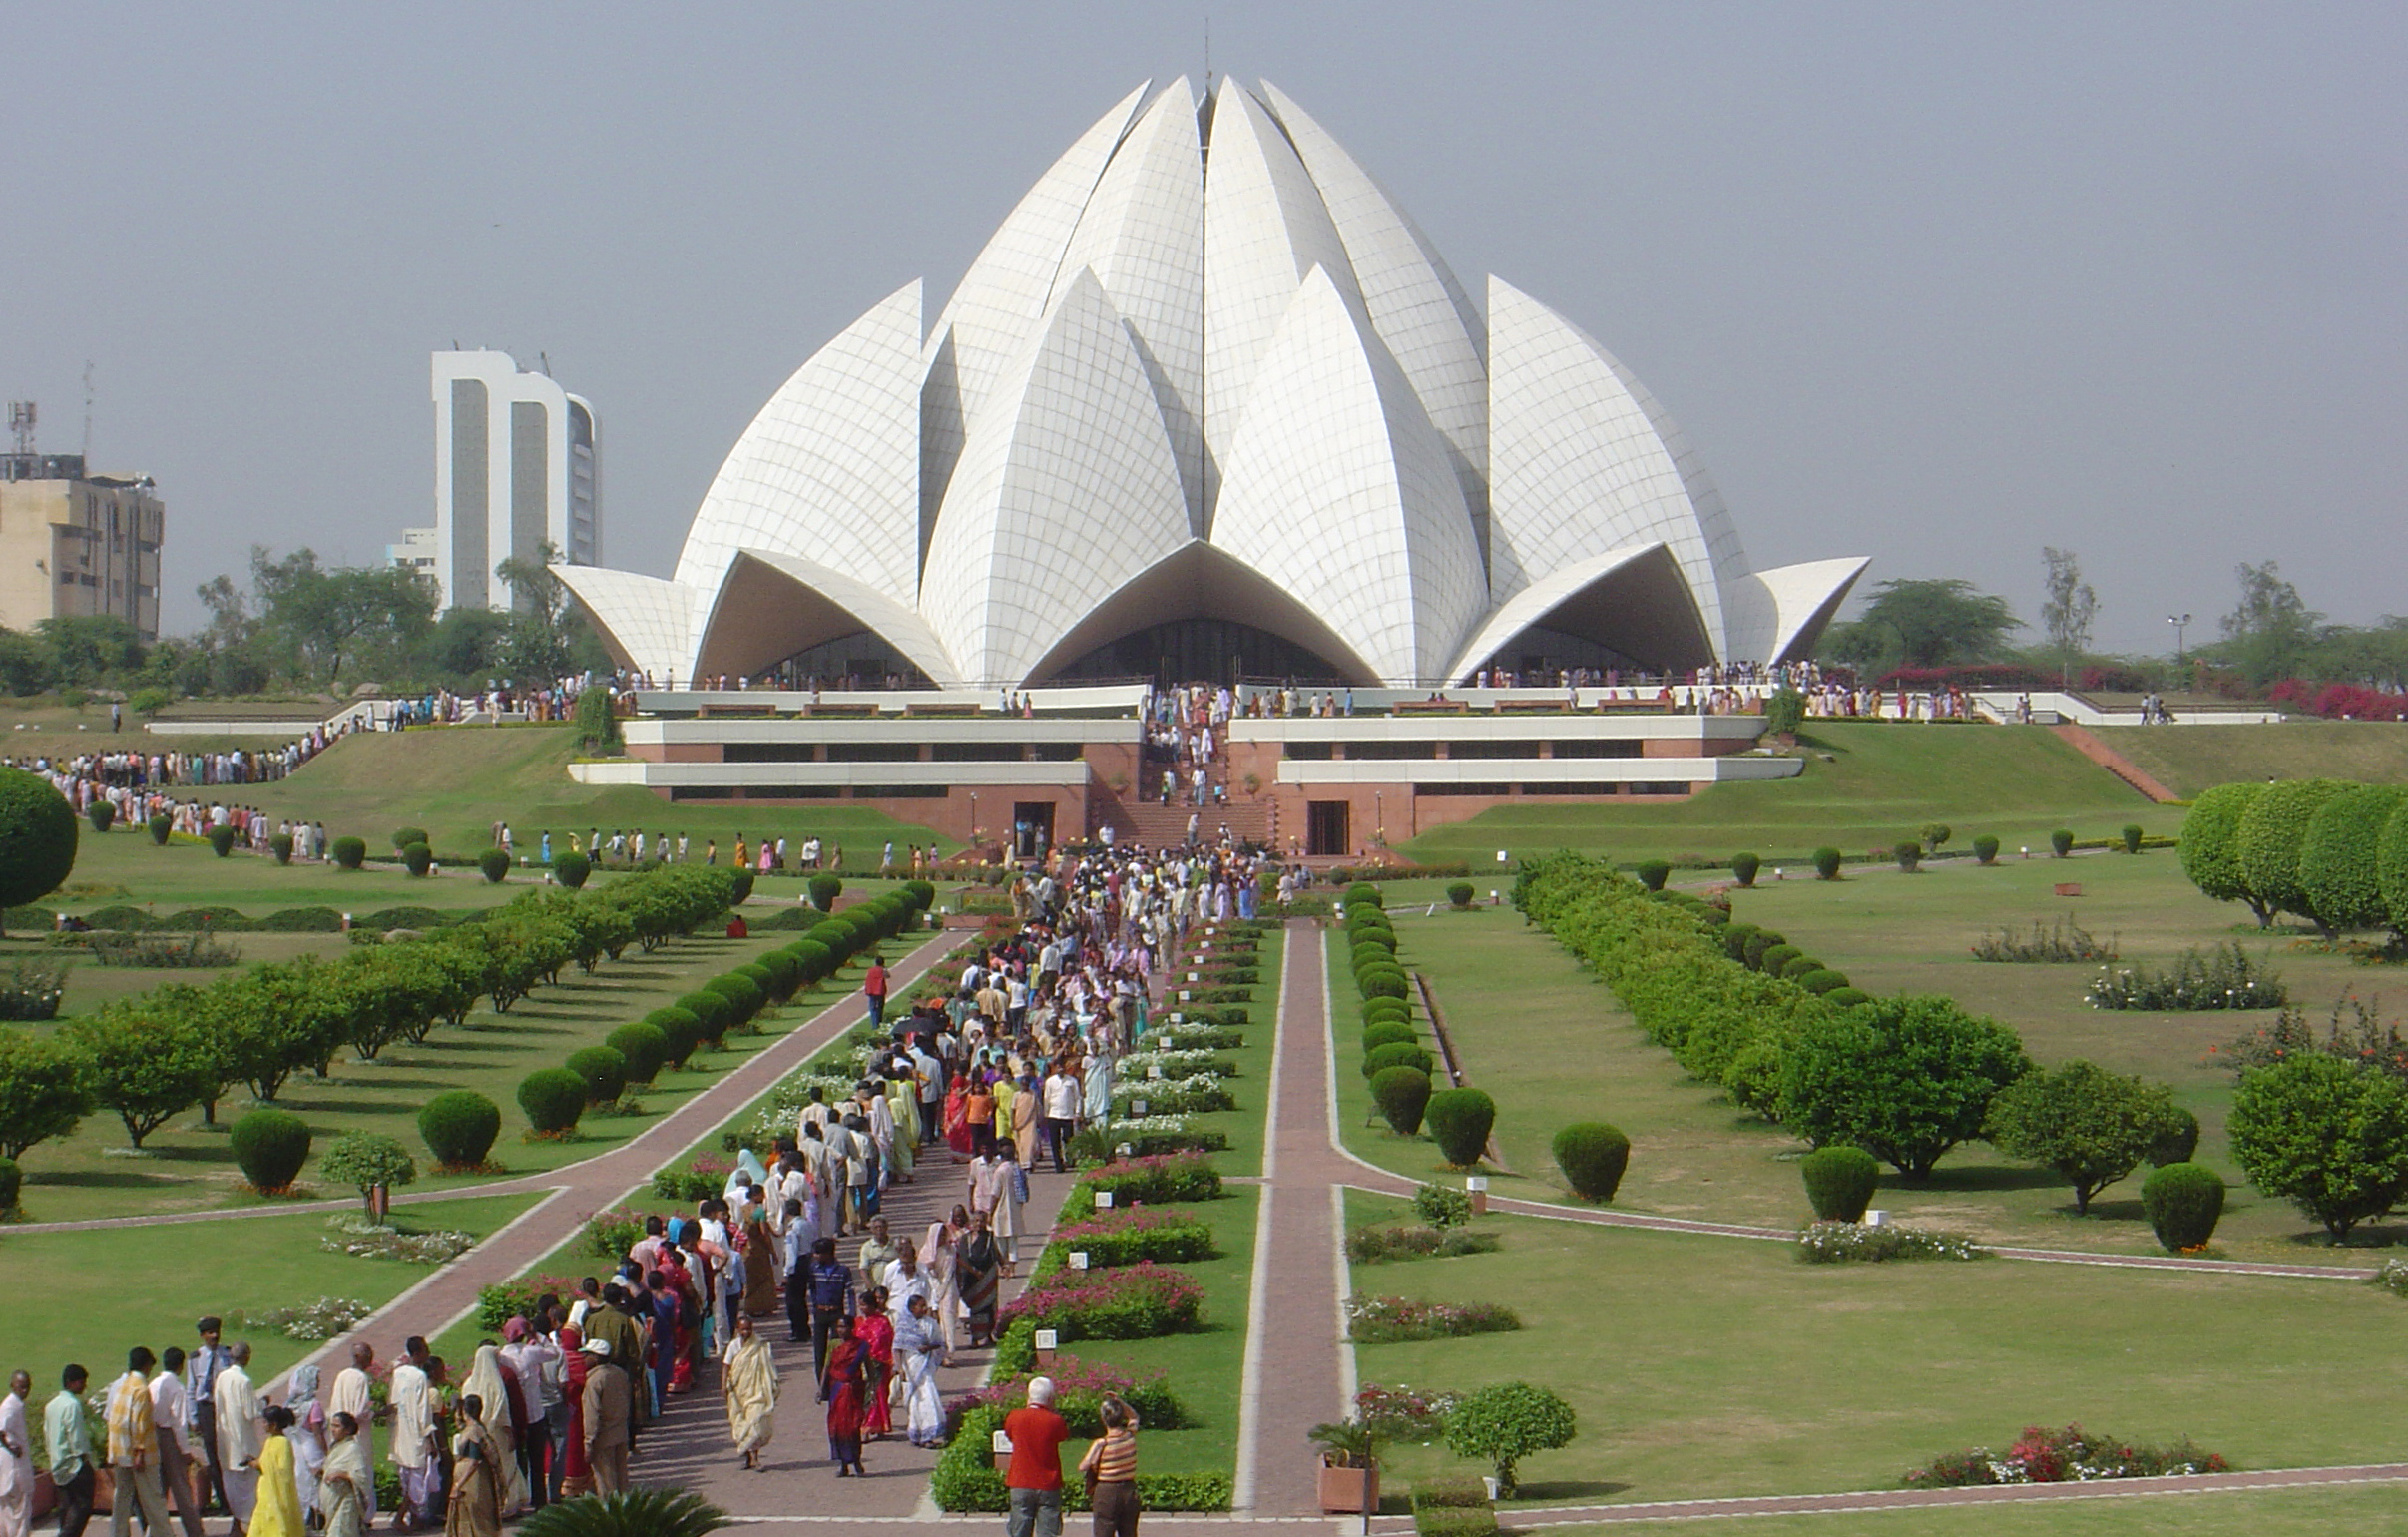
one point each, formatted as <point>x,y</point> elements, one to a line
<point>89,1297</point>
<point>2189,758</point>
<point>2333,1512</point>
<point>186,1163</point>
<point>1703,1368</point>
<point>1552,1046</point>
<point>1866,786</point>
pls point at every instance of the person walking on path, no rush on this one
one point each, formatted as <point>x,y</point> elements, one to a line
<point>918,1344</point>
<point>1064,1097</point>
<point>609,1401</point>
<point>840,1382</point>
<point>830,1288</point>
<point>475,1507</point>
<point>411,1397</point>
<point>749,1380</point>
<point>240,1432</point>
<point>134,1450</point>
<point>70,1443</point>
<point>171,1423</point>
<point>1110,1469</point>
<point>346,1480</point>
<point>873,988</point>
<point>201,1381</point>
<point>874,1332</point>
<point>16,1458</point>
<point>276,1508</point>
<point>1034,1477</point>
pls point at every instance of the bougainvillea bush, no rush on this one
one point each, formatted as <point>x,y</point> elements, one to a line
<point>1153,1181</point>
<point>1130,1302</point>
<point>2044,1454</point>
<point>1401,1414</point>
<point>1080,1389</point>
<point>1128,1235</point>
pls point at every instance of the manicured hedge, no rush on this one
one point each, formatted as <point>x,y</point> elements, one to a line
<point>1459,1121</point>
<point>1592,1156</point>
<point>459,1127</point>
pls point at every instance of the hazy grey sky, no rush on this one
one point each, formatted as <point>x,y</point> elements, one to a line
<point>1938,283</point>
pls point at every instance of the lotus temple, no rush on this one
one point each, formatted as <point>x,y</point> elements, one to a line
<point>1207,406</point>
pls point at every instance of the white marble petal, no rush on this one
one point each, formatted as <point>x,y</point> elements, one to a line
<point>645,623</point>
<point>1779,613</point>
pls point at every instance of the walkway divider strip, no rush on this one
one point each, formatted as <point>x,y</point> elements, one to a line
<point>1258,1293</point>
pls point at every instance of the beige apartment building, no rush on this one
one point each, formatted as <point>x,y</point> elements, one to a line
<point>77,543</point>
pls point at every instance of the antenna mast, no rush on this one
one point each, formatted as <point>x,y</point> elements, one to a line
<point>87,412</point>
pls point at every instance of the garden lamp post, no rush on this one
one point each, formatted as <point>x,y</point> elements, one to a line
<point>2181,621</point>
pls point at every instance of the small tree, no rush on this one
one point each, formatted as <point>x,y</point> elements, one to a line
<point>1402,1094</point>
<point>269,1147</point>
<point>597,721</point>
<point>37,839</point>
<point>1906,1078</point>
<point>2085,1123</point>
<point>365,1160</point>
<point>2209,846</point>
<point>2068,608</point>
<point>1505,1422</point>
<point>146,1060</point>
<point>2324,1133</point>
<point>1785,711</point>
<point>42,1091</point>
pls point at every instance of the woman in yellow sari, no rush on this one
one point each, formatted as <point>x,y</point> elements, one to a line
<point>485,1380</point>
<point>279,1514</point>
<point>346,1480</point>
<point>476,1476</point>
<point>749,1377</point>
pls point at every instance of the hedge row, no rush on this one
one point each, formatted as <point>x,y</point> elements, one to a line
<point>2327,850</point>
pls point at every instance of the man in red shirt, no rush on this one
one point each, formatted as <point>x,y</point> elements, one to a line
<point>1035,1477</point>
<point>873,987</point>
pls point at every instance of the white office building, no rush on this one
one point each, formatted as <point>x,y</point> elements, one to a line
<point>516,465</point>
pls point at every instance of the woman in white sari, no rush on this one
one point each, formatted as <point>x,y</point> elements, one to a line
<point>485,1383</point>
<point>750,1379</point>
<point>919,1342</point>
<point>347,1481</point>
<point>944,1287</point>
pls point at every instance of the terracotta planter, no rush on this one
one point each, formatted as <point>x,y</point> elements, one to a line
<point>1349,1490</point>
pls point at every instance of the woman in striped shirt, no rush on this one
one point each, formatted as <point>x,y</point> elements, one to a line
<point>1110,1469</point>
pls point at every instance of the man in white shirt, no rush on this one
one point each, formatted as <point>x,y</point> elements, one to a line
<point>414,1450</point>
<point>172,1416</point>
<point>1063,1095</point>
<point>242,1431</point>
<point>16,1456</point>
<point>350,1395</point>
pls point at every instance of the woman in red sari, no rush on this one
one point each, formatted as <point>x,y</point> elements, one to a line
<point>575,1476</point>
<point>682,1286</point>
<point>840,1391</point>
<point>874,1332</point>
<point>957,1120</point>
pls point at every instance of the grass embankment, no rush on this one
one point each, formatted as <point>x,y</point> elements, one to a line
<point>1702,1367</point>
<point>90,1295</point>
<point>1866,786</point>
<point>1552,1046</point>
<point>188,1163</point>
<point>2334,1512</point>
<point>2189,758</point>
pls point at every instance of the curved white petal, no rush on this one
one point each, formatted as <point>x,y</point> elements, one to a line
<point>1201,581</point>
<point>830,467</point>
<point>1635,600</point>
<point>1143,237</point>
<point>774,604</point>
<point>1778,614</point>
<point>1340,489</point>
<point>1420,312</point>
<point>1066,489</point>
<point>1004,294</point>
<point>645,623</point>
<point>1265,227</point>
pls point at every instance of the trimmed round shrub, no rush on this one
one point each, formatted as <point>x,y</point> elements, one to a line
<point>744,995</point>
<point>1803,965</point>
<point>679,1028</point>
<point>2340,857</point>
<point>1776,958</point>
<point>1364,892</point>
<point>349,853</point>
<point>1370,954</point>
<point>2391,867</point>
<point>1460,893</point>
<point>222,841</point>
<point>841,939</point>
<point>1388,1032</point>
<point>1840,1182</point>
<point>1826,863</point>
<point>1734,939</point>
<point>99,813</point>
<point>1460,1121</point>
<point>1383,982</point>
<point>2177,1141</point>
<point>824,890</point>
<point>12,1180</point>
<point>281,845</point>
<point>739,888</point>
<point>1908,853</point>
<point>1505,1422</point>
<point>417,859</point>
<point>269,1148</point>
<point>403,837</point>
<point>1847,997</point>
<point>1757,944</point>
<point>812,961</point>
<point>1744,866</point>
<point>494,865</point>
<point>2183,1202</point>
<point>1592,1156</point>
<point>162,826</point>
<point>712,1009</point>
<point>781,971</point>
<point>553,1098</point>
<point>2060,842</point>
<point>1823,981</point>
<point>1402,1094</point>
<point>1985,850</point>
<point>1396,1053</point>
<point>1652,873</point>
<point>458,1128</point>
<point>644,1047</point>
<point>1386,1008</point>
<point>601,1073</point>
<point>571,870</point>
<point>2131,837</point>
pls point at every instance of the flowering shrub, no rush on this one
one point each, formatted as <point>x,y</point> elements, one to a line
<point>1855,1244</point>
<point>2365,1040</point>
<point>1197,1037</point>
<point>1393,1319</point>
<point>704,1178</point>
<point>1192,1095</point>
<point>373,1241</point>
<point>1136,1066</point>
<point>1128,1235</point>
<point>2045,1455</point>
<point>1144,1137</point>
<point>503,1300</point>
<point>2223,978</point>
<point>609,1234</point>
<point>1401,1414</point>
<point>1080,1389</point>
<point>2340,700</point>
<point>1130,1302</point>
<point>780,1110</point>
<point>321,1319</point>
<point>2392,1277</point>
<point>1371,1245</point>
<point>1153,1181</point>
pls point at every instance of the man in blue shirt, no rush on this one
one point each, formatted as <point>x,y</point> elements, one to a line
<point>830,1286</point>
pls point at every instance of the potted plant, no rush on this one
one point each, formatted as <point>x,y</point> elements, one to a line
<point>1349,1475</point>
